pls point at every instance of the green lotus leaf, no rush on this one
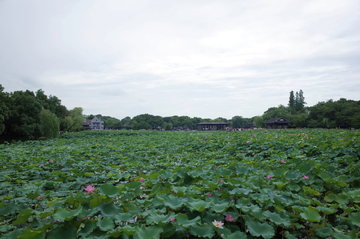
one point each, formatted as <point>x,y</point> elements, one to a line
<point>114,233</point>
<point>210,186</point>
<point>173,202</point>
<point>9,208</point>
<point>109,210</point>
<point>153,211</point>
<point>294,187</point>
<point>326,210</point>
<point>340,235</point>
<point>133,185</point>
<point>278,219</point>
<point>32,234</point>
<point>167,174</point>
<point>219,207</point>
<point>87,229</point>
<point>168,230</point>
<point>106,224</point>
<point>304,167</point>
<point>195,173</point>
<point>354,193</point>
<point>259,229</point>
<point>83,180</point>
<point>205,231</point>
<point>209,217</point>
<point>182,220</point>
<point>330,196</point>
<point>243,208</point>
<point>199,205</point>
<point>151,232</point>
<point>324,176</point>
<point>354,218</point>
<point>241,169</point>
<point>6,227</point>
<point>23,216</point>
<point>324,232</point>
<point>237,235</point>
<point>240,191</point>
<point>66,215</point>
<point>12,235</point>
<point>129,230</point>
<point>124,217</point>
<point>310,191</point>
<point>224,172</point>
<point>289,175</point>
<point>289,236</point>
<point>109,190</point>
<point>159,219</point>
<point>311,216</point>
<point>63,233</point>
<point>180,191</point>
<point>342,198</point>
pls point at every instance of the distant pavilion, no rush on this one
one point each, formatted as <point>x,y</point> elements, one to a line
<point>277,123</point>
<point>212,126</point>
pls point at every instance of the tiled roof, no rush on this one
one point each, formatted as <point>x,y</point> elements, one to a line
<point>280,120</point>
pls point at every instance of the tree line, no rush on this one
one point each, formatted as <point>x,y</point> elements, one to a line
<point>148,121</point>
<point>32,115</point>
<point>342,113</point>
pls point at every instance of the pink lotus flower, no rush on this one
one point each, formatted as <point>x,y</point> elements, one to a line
<point>218,224</point>
<point>84,218</point>
<point>142,180</point>
<point>253,153</point>
<point>41,165</point>
<point>209,194</point>
<point>172,219</point>
<point>222,235</point>
<point>247,141</point>
<point>221,180</point>
<point>229,218</point>
<point>51,161</point>
<point>158,156</point>
<point>147,147</point>
<point>89,189</point>
<point>40,196</point>
<point>282,161</point>
<point>269,176</point>
<point>305,177</point>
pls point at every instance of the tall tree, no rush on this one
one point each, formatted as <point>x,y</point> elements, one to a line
<point>291,104</point>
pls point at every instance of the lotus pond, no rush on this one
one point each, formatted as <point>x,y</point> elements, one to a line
<point>299,183</point>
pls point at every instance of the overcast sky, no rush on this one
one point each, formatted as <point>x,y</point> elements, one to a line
<point>201,58</point>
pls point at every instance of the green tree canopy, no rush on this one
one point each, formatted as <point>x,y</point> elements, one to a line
<point>50,124</point>
<point>24,119</point>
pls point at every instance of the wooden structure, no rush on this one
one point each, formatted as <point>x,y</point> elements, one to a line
<point>212,126</point>
<point>277,123</point>
<point>251,126</point>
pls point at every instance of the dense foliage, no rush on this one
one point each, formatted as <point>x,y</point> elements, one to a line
<point>331,114</point>
<point>150,184</point>
<point>27,115</point>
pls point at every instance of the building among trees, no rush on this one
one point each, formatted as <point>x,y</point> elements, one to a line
<point>277,123</point>
<point>93,124</point>
<point>212,126</point>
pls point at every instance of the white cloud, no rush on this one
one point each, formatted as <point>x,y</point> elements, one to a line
<point>196,58</point>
